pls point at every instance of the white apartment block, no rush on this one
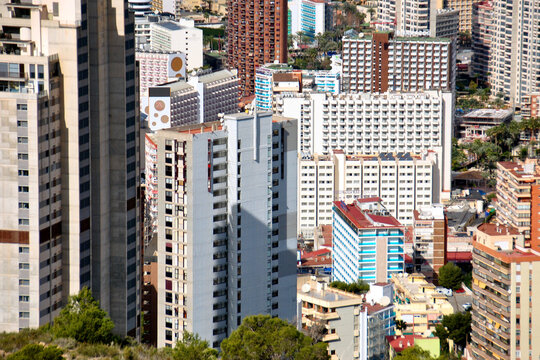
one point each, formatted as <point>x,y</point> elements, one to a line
<point>383,62</point>
<point>202,98</point>
<point>154,68</point>
<point>308,17</point>
<point>225,214</point>
<point>178,37</point>
<point>514,59</point>
<point>376,123</point>
<point>402,181</point>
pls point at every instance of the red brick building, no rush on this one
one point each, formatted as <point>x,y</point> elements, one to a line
<point>257,34</point>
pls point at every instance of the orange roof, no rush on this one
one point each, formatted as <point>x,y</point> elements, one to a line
<point>364,219</point>
<point>498,230</point>
<point>200,128</point>
<point>516,255</point>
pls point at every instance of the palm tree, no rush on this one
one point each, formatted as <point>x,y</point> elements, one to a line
<point>401,325</point>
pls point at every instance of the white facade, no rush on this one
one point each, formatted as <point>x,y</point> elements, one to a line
<point>202,98</point>
<point>307,16</point>
<point>153,69</point>
<point>514,60</point>
<point>226,206</point>
<point>376,123</point>
<point>178,37</point>
<point>409,64</point>
<point>402,181</point>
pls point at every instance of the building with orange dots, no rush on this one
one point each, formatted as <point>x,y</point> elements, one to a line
<point>257,35</point>
<point>198,99</point>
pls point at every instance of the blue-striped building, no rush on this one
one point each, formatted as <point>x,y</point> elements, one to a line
<point>367,242</point>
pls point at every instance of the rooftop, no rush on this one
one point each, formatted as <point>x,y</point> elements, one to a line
<point>433,212</point>
<point>498,114</point>
<point>170,25</point>
<point>216,76</point>
<point>365,219</point>
<point>402,342</point>
<point>522,171</point>
<point>498,230</point>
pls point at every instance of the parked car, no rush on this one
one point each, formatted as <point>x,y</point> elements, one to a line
<point>467,306</point>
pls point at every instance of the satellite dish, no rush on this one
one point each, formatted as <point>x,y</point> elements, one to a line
<point>385,301</point>
<point>306,288</point>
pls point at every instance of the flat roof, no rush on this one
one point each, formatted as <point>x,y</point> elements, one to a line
<point>216,76</point>
<point>529,171</point>
<point>170,25</point>
<point>498,230</point>
<point>364,219</point>
<point>499,114</point>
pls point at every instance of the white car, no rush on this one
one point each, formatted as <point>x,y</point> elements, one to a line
<point>467,306</point>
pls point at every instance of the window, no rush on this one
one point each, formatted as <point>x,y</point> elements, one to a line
<point>24,298</point>
<point>24,266</point>
<point>24,249</point>
<point>24,314</point>
<point>22,140</point>
<point>23,172</point>
<point>24,222</point>
<point>23,188</point>
<point>23,156</point>
<point>22,123</point>
<point>25,282</point>
<point>24,205</point>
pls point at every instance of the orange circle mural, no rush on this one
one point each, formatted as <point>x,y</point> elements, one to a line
<point>164,119</point>
<point>159,105</point>
<point>176,64</point>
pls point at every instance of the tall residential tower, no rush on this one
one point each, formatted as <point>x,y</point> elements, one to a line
<point>257,34</point>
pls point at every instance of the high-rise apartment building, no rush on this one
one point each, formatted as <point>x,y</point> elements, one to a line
<point>429,240</point>
<point>515,51</point>
<point>418,18</point>
<point>140,7</point>
<point>515,181</point>
<point>225,224</point>
<point>531,105</point>
<point>69,169</point>
<point>308,16</point>
<point>257,35</point>
<point>482,33</point>
<point>383,62</point>
<point>375,123</point>
<point>367,242</point>
<point>402,181</point>
<point>465,9</point>
<point>505,319</point>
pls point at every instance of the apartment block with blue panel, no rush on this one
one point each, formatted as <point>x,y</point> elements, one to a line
<point>367,242</point>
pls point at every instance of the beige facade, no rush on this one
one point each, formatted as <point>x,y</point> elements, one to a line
<point>58,79</point>
<point>465,9</point>
<point>429,240</point>
<point>505,317</point>
<point>352,327</point>
<point>418,303</point>
<point>514,182</point>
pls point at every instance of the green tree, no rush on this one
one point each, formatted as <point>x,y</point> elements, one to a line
<point>193,348</point>
<point>261,337</point>
<point>456,327</point>
<point>37,352</point>
<point>83,320</point>
<point>473,86</point>
<point>414,353</point>
<point>359,287</point>
<point>401,325</point>
<point>450,276</point>
<point>459,159</point>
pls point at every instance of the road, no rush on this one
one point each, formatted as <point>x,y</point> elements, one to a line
<point>458,300</point>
